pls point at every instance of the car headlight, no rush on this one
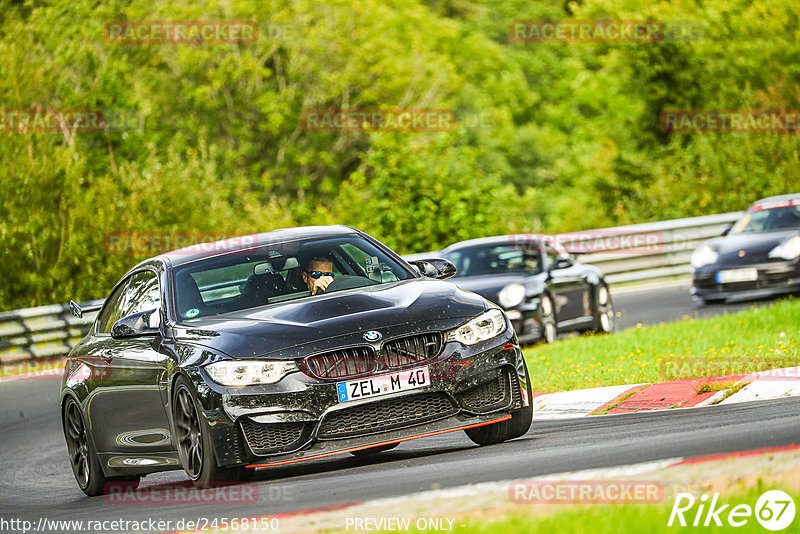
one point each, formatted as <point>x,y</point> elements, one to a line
<point>788,250</point>
<point>511,295</point>
<point>244,373</point>
<point>485,326</point>
<point>703,255</point>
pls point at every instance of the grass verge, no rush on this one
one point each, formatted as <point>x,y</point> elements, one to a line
<point>753,340</point>
<point>612,519</point>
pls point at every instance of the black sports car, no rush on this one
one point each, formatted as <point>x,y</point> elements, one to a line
<point>755,257</point>
<point>302,344</point>
<point>542,288</point>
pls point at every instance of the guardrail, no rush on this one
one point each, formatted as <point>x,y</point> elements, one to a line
<point>672,243</point>
<point>40,333</point>
<point>51,331</point>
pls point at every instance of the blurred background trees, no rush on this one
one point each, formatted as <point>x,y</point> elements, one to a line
<point>550,136</point>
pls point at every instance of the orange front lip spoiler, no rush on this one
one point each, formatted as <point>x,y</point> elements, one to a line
<point>426,435</point>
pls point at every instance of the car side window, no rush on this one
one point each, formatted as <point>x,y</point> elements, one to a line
<point>112,310</point>
<point>551,253</point>
<point>140,293</point>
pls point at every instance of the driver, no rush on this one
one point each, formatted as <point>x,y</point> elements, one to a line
<point>318,274</point>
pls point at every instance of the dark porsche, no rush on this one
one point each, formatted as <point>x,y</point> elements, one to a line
<point>542,288</point>
<point>218,359</point>
<point>756,257</point>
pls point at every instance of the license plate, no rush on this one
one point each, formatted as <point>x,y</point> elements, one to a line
<point>376,386</point>
<point>748,274</point>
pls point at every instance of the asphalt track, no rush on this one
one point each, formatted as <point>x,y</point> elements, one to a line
<point>36,481</point>
<point>654,304</point>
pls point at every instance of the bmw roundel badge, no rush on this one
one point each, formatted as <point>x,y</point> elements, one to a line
<point>372,335</point>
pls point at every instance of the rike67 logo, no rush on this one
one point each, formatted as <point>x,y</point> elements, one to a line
<point>774,510</point>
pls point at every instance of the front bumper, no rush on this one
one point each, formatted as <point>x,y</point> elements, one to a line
<point>301,418</point>
<point>774,278</point>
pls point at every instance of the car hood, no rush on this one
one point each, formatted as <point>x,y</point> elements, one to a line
<point>297,328</point>
<point>489,285</point>
<point>756,247</point>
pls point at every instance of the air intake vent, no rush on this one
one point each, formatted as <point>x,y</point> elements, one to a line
<point>395,354</point>
<point>492,395</point>
<point>267,438</point>
<point>410,350</point>
<point>343,363</point>
<point>386,415</point>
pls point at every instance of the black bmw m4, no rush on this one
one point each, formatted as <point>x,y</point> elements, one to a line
<point>281,347</point>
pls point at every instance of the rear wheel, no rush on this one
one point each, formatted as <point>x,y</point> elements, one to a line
<point>603,313</point>
<point>82,455</point>
<point>517,426</point>
<point>195,447</point>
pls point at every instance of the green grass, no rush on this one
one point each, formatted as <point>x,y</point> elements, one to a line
<point>760,338</point>
<point>612,519</point>
<point>719,385</point>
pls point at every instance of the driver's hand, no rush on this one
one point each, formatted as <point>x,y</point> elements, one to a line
<point>321,284</point>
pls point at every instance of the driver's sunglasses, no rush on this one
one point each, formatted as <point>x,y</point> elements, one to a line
<point>317,274</point>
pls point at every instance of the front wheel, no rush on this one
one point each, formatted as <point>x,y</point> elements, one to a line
<point>547,320</point>
<point>603,316</point>
<point>82,455</point>
<point>517,426</point>
<point>195,447</point>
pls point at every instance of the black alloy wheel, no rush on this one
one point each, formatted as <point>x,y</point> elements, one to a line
<point>188,433</point>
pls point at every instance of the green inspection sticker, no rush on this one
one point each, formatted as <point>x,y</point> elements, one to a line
<point>191,313</point>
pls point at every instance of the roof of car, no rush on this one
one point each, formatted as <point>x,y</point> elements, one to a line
<point>217,248</point>
<point>513,239</point>
<point>789,196</point>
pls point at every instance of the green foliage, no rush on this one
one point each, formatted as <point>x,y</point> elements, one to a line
<point>453,199</point>
<point>550,137</point>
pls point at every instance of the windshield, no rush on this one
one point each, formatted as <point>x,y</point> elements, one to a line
<point>770,218</point>
<point>477,261</point>
<point>280,272</point>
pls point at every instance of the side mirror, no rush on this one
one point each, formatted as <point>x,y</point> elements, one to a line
<point>726,229</point>
<point>135,325</point>
<point>561,263</point>
<point>435,268</point>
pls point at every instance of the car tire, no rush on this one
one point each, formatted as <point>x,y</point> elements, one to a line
<point>193,441</point>
<point>374,450</point>
<point>547,319</point>
<point>603,312</point>
<point>517,426</point>
<point>83,456</point>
